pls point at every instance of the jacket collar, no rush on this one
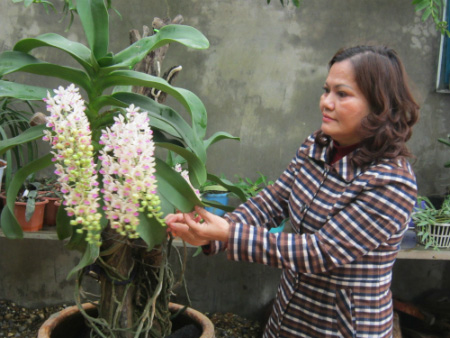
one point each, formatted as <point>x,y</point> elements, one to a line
<point>344,167</point>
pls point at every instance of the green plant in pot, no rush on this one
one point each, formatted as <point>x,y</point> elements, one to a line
<point>433,221</point>
<point>253,187</point>
<point>132,263</point>
<point>29,206</point>
<point>432,224</point>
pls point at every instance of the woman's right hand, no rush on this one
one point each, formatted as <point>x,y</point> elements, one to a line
<point>178,226</point>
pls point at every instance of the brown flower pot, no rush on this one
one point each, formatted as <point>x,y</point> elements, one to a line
<point>37,219</point>
<point>69,323</point>
<point>50,210</point>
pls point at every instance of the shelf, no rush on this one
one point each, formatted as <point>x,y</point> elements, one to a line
<point>45,233</point>
<point>418,252</point>
<point>49,233</point>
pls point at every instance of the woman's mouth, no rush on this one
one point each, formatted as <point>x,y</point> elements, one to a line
<point>326,118</point>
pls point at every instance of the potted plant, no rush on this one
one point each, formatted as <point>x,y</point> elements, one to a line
<point>252,188</point>
<point>51,191</point>
<point>432,218</point>
<point>29,206</point>
<point>432,224</point>
<point>131,264</point>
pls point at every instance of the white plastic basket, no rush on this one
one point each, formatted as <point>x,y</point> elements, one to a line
<point>440,233</point>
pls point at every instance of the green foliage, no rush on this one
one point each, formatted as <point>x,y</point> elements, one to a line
<point>433,8</point>
<point>252,188</point>
<point>14,120</point>
<point>426,215</point>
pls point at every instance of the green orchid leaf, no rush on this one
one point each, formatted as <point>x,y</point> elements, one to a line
<point>185,35</point>
<point>78,51</point>
<point>165,119</point>
<point>10,226</point>
<point>196,168</point>
<point>21,91</point>
<point>229,186</point>
<point>189,100</point>
<point>175,188</point>
<point>90,255</point>
<point>28,135</point>
<point>11,62</point>
<point>218,136</point>
<point>151,231</point>
<point>63,228</point>
<point>95,20</point>
<point>29,209</point>
<point>218,205</point>
<point>156,110</point>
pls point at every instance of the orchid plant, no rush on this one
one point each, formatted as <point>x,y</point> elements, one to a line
<point>116,190</point>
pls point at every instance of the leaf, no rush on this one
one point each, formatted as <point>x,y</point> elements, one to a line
<point>175,188</point>
<point>28,135</point>
<point>78,51</point>
<point>189,100</point>
<point>63,228</point>
<point>196,168</point>
<point>151,231</point>
<point>230,186</point>
<point>21,91</point>
<point>421,5</point>
<point>90,255</point>
<point>167,120</point>
<point>10,226</point>
<point>426,14</point>
<point>218,205</point>
<point>185,35</point>
<point>29,209</point>
<point>95,20</point>
<point>12,61</point>
<point>218,136</point>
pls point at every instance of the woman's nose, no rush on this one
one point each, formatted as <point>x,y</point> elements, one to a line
<point>327,101</point>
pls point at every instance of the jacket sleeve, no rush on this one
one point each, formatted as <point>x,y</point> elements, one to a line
<point>380,211</point>
<point>269,207</point>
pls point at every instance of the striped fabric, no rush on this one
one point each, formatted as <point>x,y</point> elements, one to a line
<point>337,263</point>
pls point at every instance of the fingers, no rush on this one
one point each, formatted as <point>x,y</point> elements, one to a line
<point>183,231</point>
<point>174,218</point>
<point>203,213</point>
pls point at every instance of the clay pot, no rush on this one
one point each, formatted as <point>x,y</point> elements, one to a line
<point>37,220</point>
<point>69,323</point>
<point>50,210</point>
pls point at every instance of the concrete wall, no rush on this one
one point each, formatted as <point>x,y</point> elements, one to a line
<point>260,80</point>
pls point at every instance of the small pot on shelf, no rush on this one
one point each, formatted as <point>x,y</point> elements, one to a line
<point>36,222</point>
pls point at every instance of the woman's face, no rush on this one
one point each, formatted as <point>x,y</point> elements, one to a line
<point>343,105</point>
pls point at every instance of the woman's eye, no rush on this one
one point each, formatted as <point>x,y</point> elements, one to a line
<point>341,94</point>
<point>326,90</point>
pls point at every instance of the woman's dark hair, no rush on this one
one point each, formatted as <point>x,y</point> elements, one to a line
<point>381,77</point>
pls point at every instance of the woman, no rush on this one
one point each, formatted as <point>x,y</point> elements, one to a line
<point>348,192</point>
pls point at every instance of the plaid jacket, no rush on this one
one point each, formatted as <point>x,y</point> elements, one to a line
<point>337,263</point>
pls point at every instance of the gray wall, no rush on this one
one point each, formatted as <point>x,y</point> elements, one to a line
<point>260,80</point>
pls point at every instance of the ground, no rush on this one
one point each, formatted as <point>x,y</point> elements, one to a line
<point>21,322</point>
